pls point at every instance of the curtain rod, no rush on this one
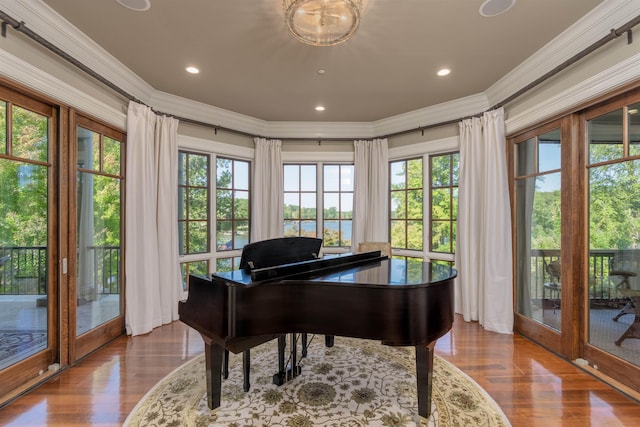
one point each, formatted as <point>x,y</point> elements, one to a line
<point>20,26</point>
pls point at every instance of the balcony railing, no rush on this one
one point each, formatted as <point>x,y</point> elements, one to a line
<point>602,287</point>
<point>24,270</point>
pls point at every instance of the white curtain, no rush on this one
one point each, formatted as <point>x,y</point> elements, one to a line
<point>267,193</point>
<point>483,255</point>
<point>153,281</point>
<point>371,192</point>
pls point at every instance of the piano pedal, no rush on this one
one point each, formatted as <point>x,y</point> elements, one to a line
<point>282,377</point>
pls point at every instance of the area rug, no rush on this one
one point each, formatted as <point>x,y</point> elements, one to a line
<point>355,383</point>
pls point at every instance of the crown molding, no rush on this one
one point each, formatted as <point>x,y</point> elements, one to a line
<point>435,146</point>
<point>623,73</point>
<point>34,78</point>
<point>328,156</point>
<point>48,24</point>
<point>434,114</point>
<point>220,148</point>
<point>214,116</point>
<point>609,14</point>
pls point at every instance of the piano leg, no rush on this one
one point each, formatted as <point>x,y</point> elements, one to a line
<point>225,364</point>
<point>424,373</point>
<point>213,354</point>
<point>329,340</point>
<point>279,377</point>
<point>293,369</point>
<point>304,345</point>
<point>246,366</point>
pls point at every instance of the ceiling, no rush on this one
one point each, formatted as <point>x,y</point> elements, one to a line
<point>250,64</point>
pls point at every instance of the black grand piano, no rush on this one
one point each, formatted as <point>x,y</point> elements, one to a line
<point>362,295</point>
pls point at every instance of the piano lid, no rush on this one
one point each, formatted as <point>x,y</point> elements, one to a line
<point>376,272</point>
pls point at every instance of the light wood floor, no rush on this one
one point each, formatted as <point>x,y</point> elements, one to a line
<point>532,386</point>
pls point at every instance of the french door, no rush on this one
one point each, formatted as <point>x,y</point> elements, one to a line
<point>96,304</point>
<point>29,292</point>
<point>61,237</point>
<point>576,211</point>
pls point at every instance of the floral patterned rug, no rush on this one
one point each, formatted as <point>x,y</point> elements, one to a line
<point>355,383</point>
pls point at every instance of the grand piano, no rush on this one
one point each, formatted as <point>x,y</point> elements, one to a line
<point>363,295</point>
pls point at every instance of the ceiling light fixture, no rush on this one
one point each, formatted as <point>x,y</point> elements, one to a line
<point>319,108</point>
<point>192,70</point>
<point>322,22</point>
<point>444,72</point>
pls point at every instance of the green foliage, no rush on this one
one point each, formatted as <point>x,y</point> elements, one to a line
<point>23,204</point>
<point>545,220</point>
<point>614,206</point>
<point>23,185</point>
<point>407,203</point>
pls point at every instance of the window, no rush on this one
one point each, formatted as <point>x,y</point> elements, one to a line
<point>337,205</point>
<point>232,204</point>
<point>193,211</point>
<point>406,201</point>
<point>326,212</point>
<point>195,221</point>
<point>193,203</point>
<point>300,199</point>
<point>444,202</point>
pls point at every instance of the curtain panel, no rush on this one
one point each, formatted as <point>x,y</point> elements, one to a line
<point>484,287</point>
<point>267,193</point>
<point>153,280</point>
<point>371,192</point>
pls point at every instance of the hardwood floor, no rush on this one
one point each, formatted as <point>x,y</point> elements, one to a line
<point>533,386</point>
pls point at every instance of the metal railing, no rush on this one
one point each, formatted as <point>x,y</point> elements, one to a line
<point>24,270</point>
<point>602,286</point>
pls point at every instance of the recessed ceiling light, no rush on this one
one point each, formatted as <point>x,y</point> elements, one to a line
<point>139,5</point>
<point>444,72</point>
<point>322,71</point>
<point>495,7</point>
<point>319,108</point>
<point>192,70</point>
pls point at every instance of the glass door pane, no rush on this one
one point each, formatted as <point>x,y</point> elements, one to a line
<point>24,235</point>
<point>538,222</point>
<point>99,273</point>
<point>614,259</point>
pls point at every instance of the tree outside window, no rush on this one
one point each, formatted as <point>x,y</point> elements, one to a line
<point>338,205</point>
<point>444,202</point>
